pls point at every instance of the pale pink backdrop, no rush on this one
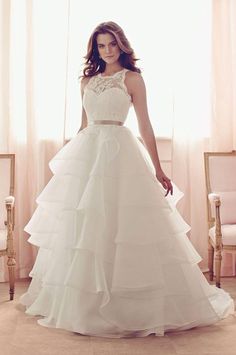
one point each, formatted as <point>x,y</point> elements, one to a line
<point>22,108</point>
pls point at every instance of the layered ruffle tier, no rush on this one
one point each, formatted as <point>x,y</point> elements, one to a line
<point>114,259</point>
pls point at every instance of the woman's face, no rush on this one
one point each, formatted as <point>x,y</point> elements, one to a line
<point>108,48</point>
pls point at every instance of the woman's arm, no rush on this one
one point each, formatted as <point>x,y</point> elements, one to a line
<point>84,120</point>
<point>137,90</point>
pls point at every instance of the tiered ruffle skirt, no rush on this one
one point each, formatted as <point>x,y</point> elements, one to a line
<point>114,259</point>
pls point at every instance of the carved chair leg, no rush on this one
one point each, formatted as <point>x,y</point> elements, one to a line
<point>218,258</point>
<point>210,260</point>
<point>11,268</point>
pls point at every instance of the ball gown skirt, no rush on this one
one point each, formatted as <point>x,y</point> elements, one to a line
<point>114,259</point>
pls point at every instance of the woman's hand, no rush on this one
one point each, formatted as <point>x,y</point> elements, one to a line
<point>165,181</point>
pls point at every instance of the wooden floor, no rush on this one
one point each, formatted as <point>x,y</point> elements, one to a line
<point>21,335</point>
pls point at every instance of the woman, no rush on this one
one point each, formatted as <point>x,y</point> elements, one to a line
<point>114,259</point>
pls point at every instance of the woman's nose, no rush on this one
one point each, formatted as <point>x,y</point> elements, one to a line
<point>107,49</point>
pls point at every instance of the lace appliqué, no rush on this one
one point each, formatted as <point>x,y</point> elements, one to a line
<point>99,83</point>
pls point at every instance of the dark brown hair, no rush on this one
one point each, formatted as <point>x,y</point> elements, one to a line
<point>94,64</point>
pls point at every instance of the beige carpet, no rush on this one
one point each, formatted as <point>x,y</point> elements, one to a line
<point>21,335</point>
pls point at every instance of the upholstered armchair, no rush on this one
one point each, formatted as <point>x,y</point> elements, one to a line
<point>7,201</point>
<point>220,172</point>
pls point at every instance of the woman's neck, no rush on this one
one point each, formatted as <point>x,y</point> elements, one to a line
<point>112,69</point>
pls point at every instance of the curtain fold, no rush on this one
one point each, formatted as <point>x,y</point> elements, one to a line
<point>223,125</point>
<point>36,65</point>
<point>219,123</point>
<point>191,123</point>
<point>223,118</point>
<point>28,102</point>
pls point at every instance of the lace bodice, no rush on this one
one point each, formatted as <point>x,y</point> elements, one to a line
<point>106,97</point>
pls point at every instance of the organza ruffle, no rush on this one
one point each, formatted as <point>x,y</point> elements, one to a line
<point>114,259</point>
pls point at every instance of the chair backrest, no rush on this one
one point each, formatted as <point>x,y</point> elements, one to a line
<point>7,183</point>
<point>220,172</point>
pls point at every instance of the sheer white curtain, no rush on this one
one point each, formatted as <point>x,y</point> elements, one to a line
<point>32,106</point>
<point>205,119</point>
<point>223,123</point>
<point>192,115</point>
<point>42,52</point>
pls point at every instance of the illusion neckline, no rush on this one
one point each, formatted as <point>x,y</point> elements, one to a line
<point>110,76</point>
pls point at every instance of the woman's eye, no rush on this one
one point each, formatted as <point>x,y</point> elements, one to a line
<point>102,45</point>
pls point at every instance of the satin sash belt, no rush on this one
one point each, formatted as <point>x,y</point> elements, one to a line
<point>118,123</point>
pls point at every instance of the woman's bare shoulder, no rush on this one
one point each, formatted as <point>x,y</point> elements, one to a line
<point>84,81</point>
<point>133,78</point>
<point>133,75</point>
<point>133,81</point>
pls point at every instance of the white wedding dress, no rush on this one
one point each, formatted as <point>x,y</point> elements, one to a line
<point>114,259</point>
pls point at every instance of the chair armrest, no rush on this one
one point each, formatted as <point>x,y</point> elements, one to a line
<point>213,197</point>
<point>215,203</point>
<point>10,200</point>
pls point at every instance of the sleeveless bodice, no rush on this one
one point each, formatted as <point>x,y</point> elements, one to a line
<point>107,98</point>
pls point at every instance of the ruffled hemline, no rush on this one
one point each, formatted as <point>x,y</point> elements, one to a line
<point>114,259</point>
